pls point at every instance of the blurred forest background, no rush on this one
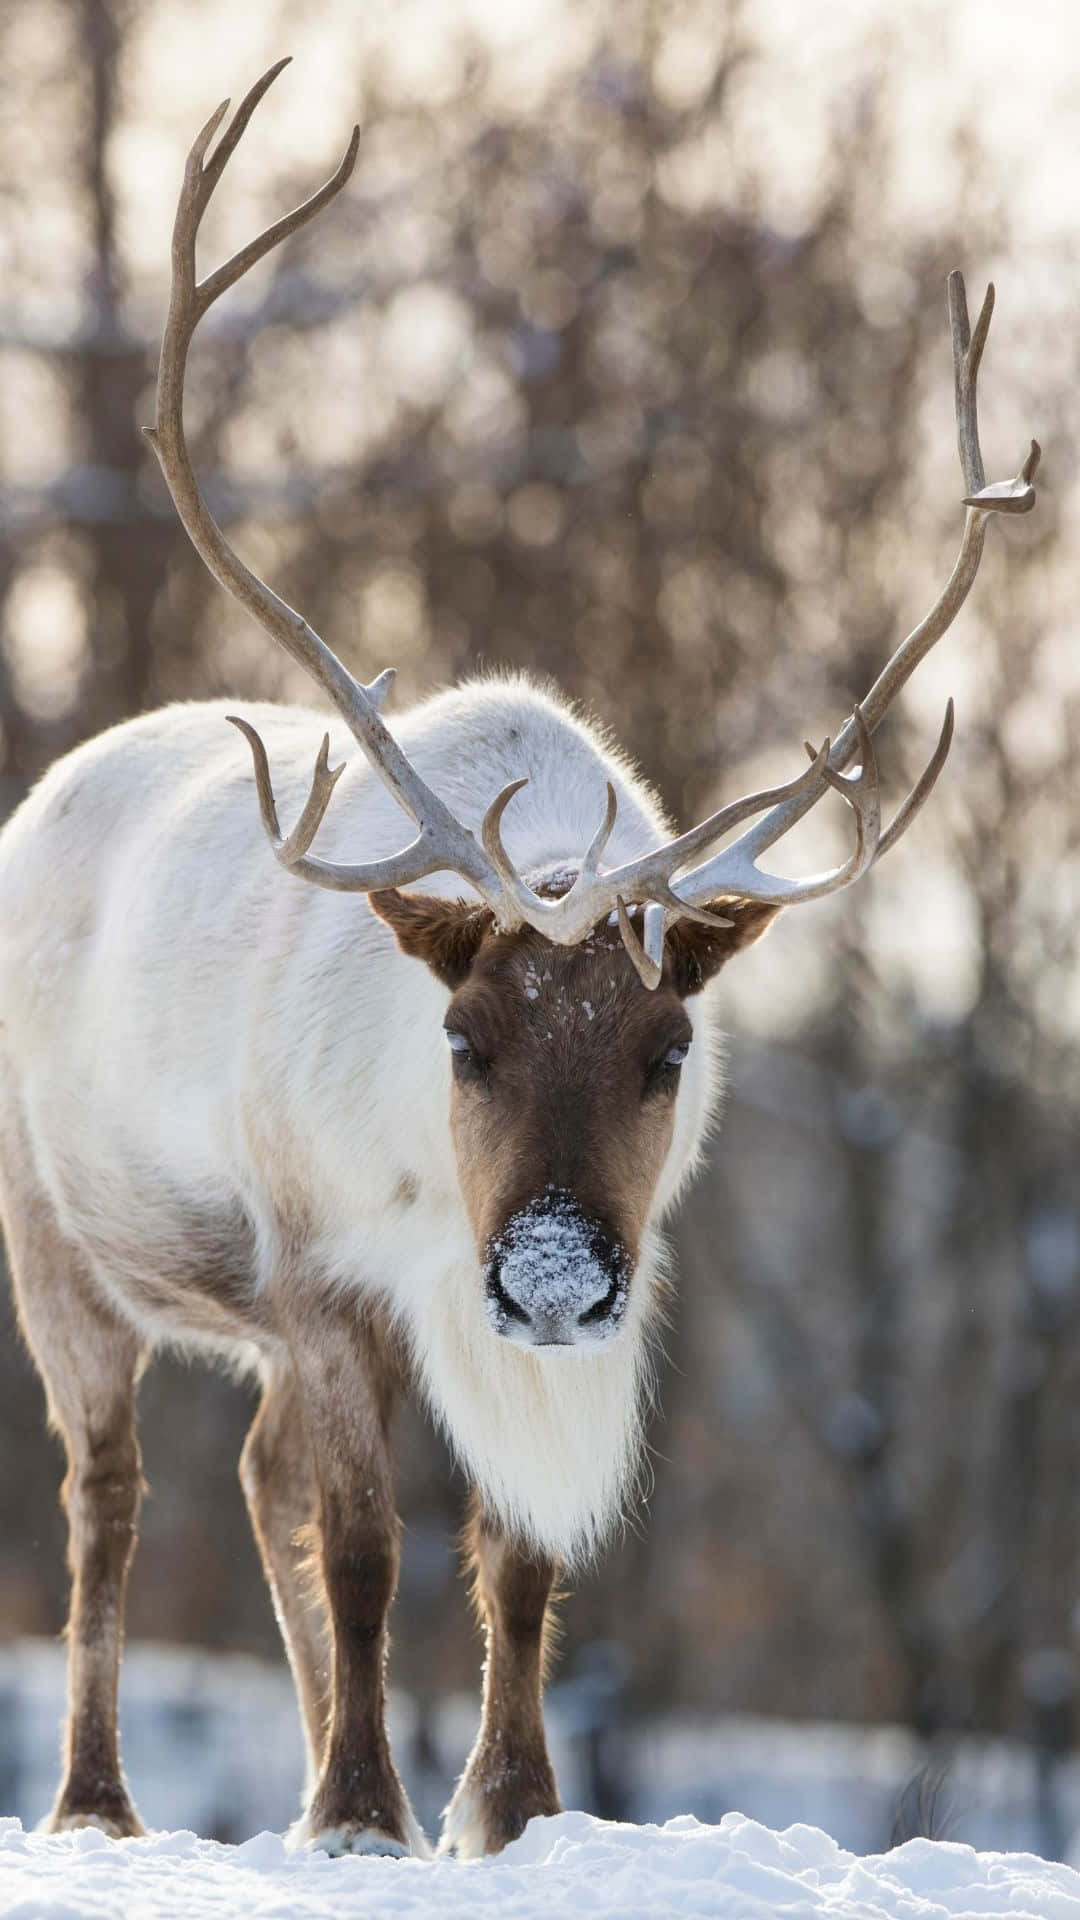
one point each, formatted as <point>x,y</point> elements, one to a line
<point>624,359</point>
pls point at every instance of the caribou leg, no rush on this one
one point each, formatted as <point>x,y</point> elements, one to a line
<point>89,1361</point>
<point>278,1479</point>
<point>509,1777</point>
<point>348,1386</point>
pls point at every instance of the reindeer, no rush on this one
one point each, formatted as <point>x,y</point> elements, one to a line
<point>418,1141</point>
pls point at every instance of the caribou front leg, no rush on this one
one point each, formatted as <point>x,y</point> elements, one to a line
<point>89,1360</point>
<point>509,1777</point>
<point>348,1384</point>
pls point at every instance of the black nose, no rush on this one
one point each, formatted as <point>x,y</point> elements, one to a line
<point>554,1276</point>
<point>503,1302</point>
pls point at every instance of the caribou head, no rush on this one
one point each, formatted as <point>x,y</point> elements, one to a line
<point>565,1079</point>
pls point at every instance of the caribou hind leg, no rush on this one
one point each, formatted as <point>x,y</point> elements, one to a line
<point>278,1478</point>
<point>509,1778</point>
<point>89,1360</point>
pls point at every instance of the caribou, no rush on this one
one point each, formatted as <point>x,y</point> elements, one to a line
<point>412,1126</point>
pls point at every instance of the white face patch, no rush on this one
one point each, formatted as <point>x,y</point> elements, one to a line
<point>554,1278</point>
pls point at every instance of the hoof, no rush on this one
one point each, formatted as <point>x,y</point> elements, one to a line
<point>119,1824</point>
<point>342,1839</point>
<point>476,1825</point>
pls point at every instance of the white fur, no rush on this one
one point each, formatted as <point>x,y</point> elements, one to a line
<point>361,1840</point>
<point>190,1035</point>
<point>464,1828</point>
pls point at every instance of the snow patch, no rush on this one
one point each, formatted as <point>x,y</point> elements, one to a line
<point>562,1867</point>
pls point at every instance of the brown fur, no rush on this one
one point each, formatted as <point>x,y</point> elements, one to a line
<point>348,1374</point>
<point>278,1477</point>
<point>90,1361</point>
<point>509,1775</point>
<point>572,1037</point>
<point>446,935</point>
<point>572,1099</point>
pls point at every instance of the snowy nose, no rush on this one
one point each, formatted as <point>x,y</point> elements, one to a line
<point>554,1277</point>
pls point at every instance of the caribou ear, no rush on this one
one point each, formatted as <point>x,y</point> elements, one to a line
<point>696,952</point>
<point>444,933</point>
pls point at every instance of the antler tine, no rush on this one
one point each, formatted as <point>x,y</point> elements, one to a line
<point>862,792</point>
<point>650,877</point>
<point>649,966</point>
<point>1005,496</point>
<point>967,353</point>
<point>442,841</point>
<point>643,876</point>
<point>187,305</point>
<point>263,243</point>
<point>922,789</point>
<point>230,139</point>
<point>654,926</point>
<point>734,871</point>
<point>647,954</point>
<point>664,896</point>
<point>290,850</point>
<point>423,856</point>
<point>264,786</point>
<point>1010,496</point>
<point>590,865</point>
<point>519,901</point>
<point>324,780</point>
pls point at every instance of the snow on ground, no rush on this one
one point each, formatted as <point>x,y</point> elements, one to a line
<point>572,1865</point>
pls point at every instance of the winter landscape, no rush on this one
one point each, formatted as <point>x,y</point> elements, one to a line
<point>218,1751</point>
<point>638,1261</point>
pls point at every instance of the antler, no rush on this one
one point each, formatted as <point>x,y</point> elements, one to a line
<point>664,882</point>
<point>1006,496</point>
<point>442,841</point>
<point>734,871</point>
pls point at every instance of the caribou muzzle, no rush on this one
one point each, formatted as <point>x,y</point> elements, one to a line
<point>555,1277</point>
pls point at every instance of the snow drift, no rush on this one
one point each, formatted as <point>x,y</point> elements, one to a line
<point>571,1865</point>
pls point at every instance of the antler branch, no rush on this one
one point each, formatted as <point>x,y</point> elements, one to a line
<point>442,840</point>
<point>1010,496</point>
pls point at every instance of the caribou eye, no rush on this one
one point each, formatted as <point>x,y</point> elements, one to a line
<point>466,1062</point>
<point>663,1075</point>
